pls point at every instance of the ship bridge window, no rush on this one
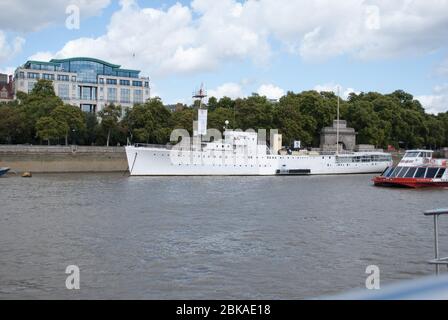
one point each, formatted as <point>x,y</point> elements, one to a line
<point>410,173</point>
<point>420,173</point>
<point>440,173</point>
<point>431,173</point>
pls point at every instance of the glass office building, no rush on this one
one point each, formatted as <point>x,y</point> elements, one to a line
<point>86,82</point>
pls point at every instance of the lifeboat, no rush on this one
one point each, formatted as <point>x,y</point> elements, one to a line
<point>417,169</point>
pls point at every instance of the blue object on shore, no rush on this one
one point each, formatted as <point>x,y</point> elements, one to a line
<point>3,171</point>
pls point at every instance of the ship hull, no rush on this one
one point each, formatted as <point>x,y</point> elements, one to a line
<point>164,162</point>
<point>409,183</point>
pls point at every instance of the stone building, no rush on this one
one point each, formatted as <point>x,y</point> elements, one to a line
<point>347,137</point>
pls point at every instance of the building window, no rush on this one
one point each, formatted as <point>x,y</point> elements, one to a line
<point>125,82</point>
<point>111,95</point>
<point>62,77</point>
<point>64,91</point>
<point>88,93</point>
<point>101,80</point>
<point>138,96</point>
<point>137,83</point>
<point>125,96</point>
<point>22,75</point>
<point>33,75</point>
<point>146,84</point>
<point>73,79</point>
<point>111,81</point>
<point>47,76</point>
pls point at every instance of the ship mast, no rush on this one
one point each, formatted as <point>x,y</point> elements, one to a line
<point>200,95</point>
<point>337,126</point>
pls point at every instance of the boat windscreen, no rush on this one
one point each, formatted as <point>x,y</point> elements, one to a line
<point>420,173</point>
<point>410,173</point>
<point>440,173</point>
<point>402,172</point>
<point>396,172</point>
<point>391,171</point>
<point>431,173</point>
<point>386,172</point>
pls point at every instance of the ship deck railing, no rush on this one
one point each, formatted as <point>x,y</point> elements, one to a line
<point>154,146</point>
<point>437,261</point>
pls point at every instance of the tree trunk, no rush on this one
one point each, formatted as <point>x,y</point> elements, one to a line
<point>108,137</point>
<point>48,141</point>
<point>66,139</point>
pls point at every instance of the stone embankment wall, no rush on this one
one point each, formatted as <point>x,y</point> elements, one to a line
<point>61,159</point>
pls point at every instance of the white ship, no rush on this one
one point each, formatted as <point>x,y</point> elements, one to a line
<point>243,154</point>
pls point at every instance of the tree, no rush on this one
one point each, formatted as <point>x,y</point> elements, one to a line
<point>110,116</point>
<point>49,128</point>
<point>292,124</point>
<point>71,116</point>
<point>40,102</point>
<point>254,112</point>
<point>149,122</point>
<point>13,126</point>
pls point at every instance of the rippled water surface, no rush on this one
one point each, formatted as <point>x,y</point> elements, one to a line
<point>209,238</point>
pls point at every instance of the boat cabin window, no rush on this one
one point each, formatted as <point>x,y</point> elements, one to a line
<point>396,172</point>
<point>402,172</point>
<point>440,173</point>
<point>387,171</point>
<point>431,173</point>
<point>420,173</point>
<point>387,174</point>
<point>410,173</point>
<point>411,154</point>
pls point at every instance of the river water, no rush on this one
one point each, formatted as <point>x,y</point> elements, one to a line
<point>209,237</point>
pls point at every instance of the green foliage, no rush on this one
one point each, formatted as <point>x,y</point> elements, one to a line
<point>49,128</point>
<point>109,126</point>
<point>13,128</point>
<point>392,119</point>
<point>72,118</point>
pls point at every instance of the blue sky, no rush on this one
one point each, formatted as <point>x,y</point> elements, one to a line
<point>240,47</point>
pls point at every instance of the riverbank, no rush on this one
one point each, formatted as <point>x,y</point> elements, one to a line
<point>62,159</point>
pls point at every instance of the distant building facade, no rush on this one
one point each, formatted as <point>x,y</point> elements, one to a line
<point>6,88</point>
<point>88,83</point>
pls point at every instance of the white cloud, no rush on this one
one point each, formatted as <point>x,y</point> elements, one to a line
<point>41,56</point>
<point>231,90</point>
<point>207,34</point>
<point>271,91</point>
<point>331,87</point>
<point>437,102</point>
<point>179,39</point>
<point>9,50</point>
<point>26,15</point>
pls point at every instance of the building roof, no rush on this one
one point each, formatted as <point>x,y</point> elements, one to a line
<point>58,61</point>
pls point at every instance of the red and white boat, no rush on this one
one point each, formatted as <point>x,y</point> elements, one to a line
<point>417,169</point>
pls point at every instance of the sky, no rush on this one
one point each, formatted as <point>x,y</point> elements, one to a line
<point>237,48</point>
